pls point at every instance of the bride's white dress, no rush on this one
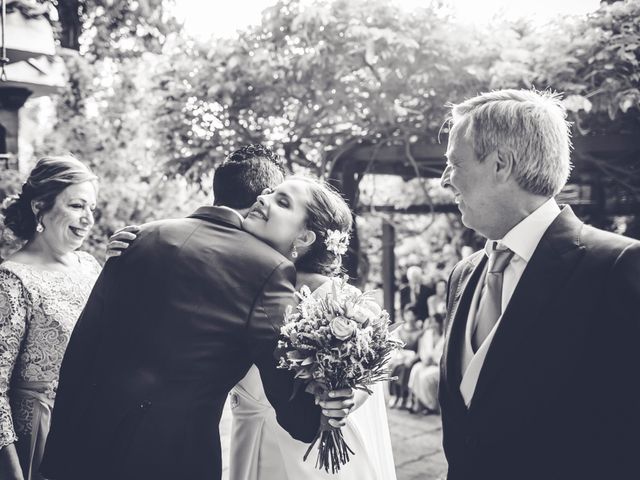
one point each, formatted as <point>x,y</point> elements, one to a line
<point>262,450</point>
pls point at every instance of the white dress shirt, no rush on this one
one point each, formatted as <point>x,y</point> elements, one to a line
<point>523,239</point>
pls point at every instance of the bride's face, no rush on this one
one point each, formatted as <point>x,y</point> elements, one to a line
<point>278,217</point>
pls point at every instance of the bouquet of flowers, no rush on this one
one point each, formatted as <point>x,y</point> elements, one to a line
<point>337,340</point>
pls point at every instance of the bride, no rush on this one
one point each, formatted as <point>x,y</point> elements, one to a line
<point>294,219</point>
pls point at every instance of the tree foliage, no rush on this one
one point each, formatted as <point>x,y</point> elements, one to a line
<point>313,78</point>
<point>9,185</point>
<point>594,60</point>
<point>317,77</point>
<point>98,27</point>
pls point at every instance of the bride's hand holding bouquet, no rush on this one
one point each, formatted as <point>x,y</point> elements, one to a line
<point>336,341</point>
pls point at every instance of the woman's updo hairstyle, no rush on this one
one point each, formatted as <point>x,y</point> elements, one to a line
<point>327,211</point>
<point>47,180</point>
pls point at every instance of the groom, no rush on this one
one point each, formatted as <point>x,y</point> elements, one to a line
<point>540,377</point>
<point>168,330</point>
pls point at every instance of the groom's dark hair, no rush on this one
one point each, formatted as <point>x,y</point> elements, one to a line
<point>245,174</point>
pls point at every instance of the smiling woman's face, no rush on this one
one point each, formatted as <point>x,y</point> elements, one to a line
<point>70,219</point>
<point>278,217</point>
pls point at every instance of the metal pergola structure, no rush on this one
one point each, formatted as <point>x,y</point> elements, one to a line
<point>592,191</point>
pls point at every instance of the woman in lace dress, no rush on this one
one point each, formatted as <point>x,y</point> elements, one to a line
<point>295,219</point>
<point>43,288</point>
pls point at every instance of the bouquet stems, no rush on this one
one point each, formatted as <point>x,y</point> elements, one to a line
<point>333,451</point>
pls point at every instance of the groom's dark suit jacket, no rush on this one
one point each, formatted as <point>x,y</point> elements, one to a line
<point>558,396</point>
<point>169,329</point>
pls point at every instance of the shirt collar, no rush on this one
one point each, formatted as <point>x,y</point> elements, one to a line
<point>232,210</point>
<point>523,239</point>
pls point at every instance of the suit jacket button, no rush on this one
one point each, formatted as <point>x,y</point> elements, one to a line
<point>470,442</point>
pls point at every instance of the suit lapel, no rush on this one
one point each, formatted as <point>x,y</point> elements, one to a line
<point>463,294</point>
<point>551,265</point>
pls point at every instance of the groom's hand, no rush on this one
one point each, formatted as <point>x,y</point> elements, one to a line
<point>338,406</point>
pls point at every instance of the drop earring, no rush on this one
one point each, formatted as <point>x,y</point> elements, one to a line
<point>39,228</point>
<point>294,252</point>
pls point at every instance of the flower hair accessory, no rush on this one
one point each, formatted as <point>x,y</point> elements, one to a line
<point>337,241</point>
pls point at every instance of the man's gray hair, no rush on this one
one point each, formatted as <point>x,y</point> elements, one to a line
<point>531,125</point>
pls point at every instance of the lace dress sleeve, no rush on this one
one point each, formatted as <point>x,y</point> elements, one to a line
<point>13,313</point>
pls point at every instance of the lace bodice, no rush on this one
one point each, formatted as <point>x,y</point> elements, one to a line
<point>38,310</point>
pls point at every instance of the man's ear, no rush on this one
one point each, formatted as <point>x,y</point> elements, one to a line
<point>306,239</point>
<point>505,163</point>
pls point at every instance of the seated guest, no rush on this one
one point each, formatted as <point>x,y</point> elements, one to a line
<point>415,293</point>
<point>437,302</point>
<point>400,364</point>
<point>425,374</point>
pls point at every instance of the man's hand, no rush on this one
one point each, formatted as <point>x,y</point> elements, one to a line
<point>338,407</point>
<point>121,239</point>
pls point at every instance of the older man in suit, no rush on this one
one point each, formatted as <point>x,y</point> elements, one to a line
<point>539,378</point>
<point>169,329</point>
